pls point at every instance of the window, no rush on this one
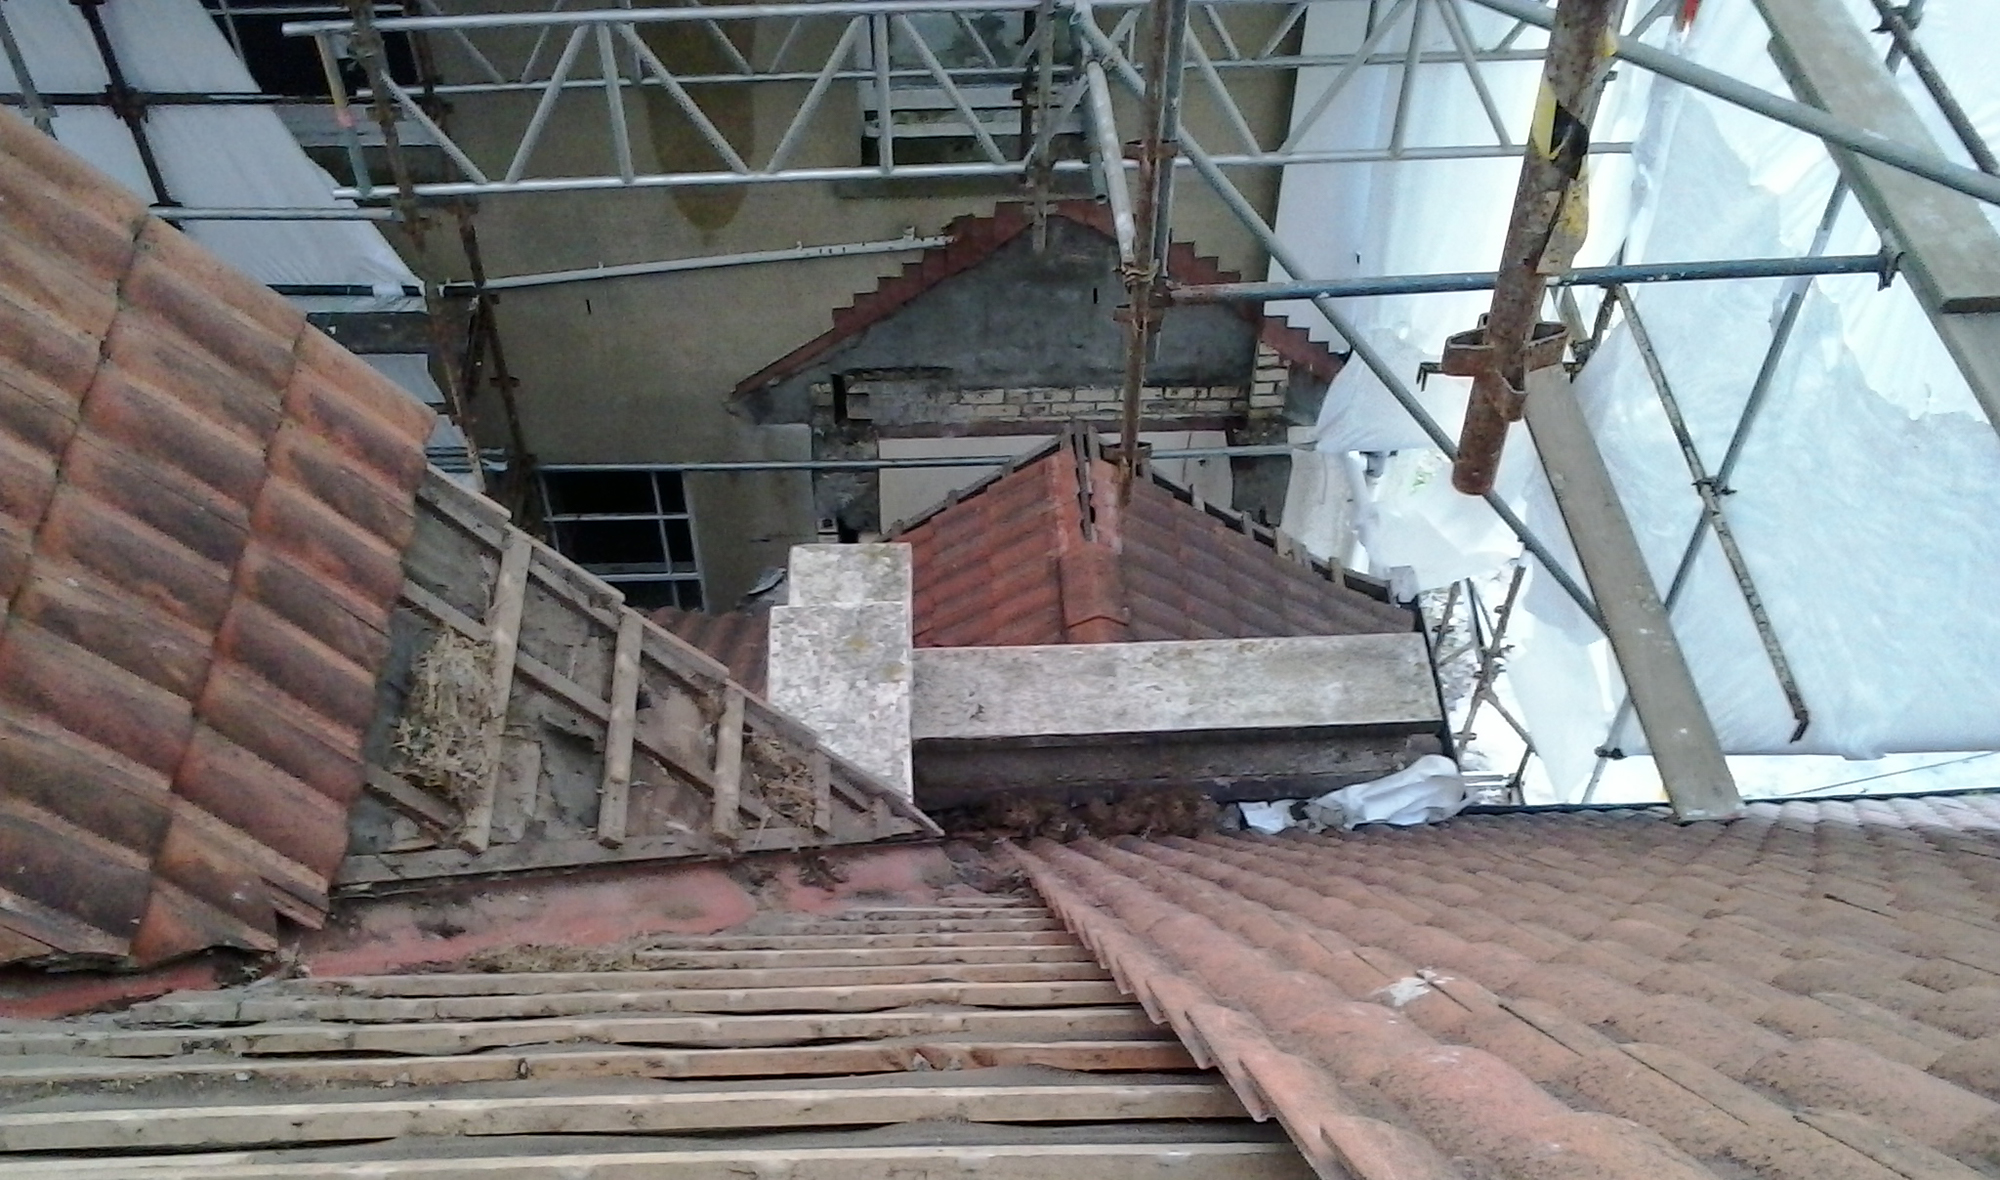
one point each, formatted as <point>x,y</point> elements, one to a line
<point>630,527</point>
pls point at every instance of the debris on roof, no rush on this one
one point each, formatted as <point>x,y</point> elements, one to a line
<point>1809,991</point>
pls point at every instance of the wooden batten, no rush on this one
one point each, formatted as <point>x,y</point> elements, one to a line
<point>587,696</point>
<point>613,798</point>
<point>727,823</point>
<point>503,628</point>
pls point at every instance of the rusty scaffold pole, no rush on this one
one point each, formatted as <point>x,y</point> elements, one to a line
<point>1145,278</point>
<point>1542,237</point>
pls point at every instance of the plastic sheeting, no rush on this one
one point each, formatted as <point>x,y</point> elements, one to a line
<point>1424,792</point>
<point>209,156</point>
<point>1863,498</point>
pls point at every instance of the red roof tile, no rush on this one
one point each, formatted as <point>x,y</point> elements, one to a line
<point>1008,563</point>
<point>976,239</point>
<point>1013,563</point>
<point>202,507</point>
<point>1597,994</point>
<point>740,639</point>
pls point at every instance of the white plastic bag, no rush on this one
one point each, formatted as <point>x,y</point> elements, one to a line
<point>1424,792</point>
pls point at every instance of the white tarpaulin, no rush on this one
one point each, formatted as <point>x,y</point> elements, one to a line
<point>209,156</point>
<point>1863,498</point>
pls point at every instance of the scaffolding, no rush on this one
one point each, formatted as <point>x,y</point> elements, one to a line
<point>1067,73</point>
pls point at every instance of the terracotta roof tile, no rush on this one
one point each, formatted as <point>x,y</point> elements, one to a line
<point>1513,989</point>
<point>740,639</point>
<point>1010,563</point>
<point>202,507</point>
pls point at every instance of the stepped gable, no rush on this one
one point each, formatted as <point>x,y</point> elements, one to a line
<point>203,502</point>
<point>1044,554</point>
<point>975,239</point>
<point>1811,991</point>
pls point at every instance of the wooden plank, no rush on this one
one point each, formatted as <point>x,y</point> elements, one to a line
<point>427,603</point>
<point>683,659</point>
<point>856,926</point>
<point>361,874</point>
<point>483,518</point>
<point>520,788</point>
<point>1160,1054</point>
<point>1256,1160</point>
<point>260,1008</point>
<point>613,1113</point>
<point>504,983</point>
<point>863,956</point>
<point>614,793</point>
<point>859,941</point>
<point>729,765</point>
<point>822,789</point>
<point>904,913</point>
<point>364,873</point>
<point>503,627</point>
<point>409,800</point>
<point>590,705</point>
<point>746,1031</point>
<point>587,593</point>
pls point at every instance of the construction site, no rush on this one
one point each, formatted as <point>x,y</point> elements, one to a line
<point>1085,589</point>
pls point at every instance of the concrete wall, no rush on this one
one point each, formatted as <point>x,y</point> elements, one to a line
<point>638,369</point>
<point>840,653</point>
<point>1075,690</point>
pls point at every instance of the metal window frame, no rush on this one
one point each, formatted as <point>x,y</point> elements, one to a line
<point>659,515</point>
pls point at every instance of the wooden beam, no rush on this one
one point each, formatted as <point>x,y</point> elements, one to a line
<point>256,1008</point>
<point>612,1113</point>
<point>822,941</point>
<point>483,518</point>
<point>409,800</point>
<point>427,603</point>
<point>524,983</point>
<point>1005,1161</point>
<point>862,956</point>
<point>714,1032</point>
<point>590,705</point>
<point>726,823</point>
<point>1161,1054</point>
<point>503,628</point>
<point>614,793</point>
<point>822,789</point>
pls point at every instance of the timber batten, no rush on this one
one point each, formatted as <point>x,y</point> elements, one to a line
<point>604,740</point>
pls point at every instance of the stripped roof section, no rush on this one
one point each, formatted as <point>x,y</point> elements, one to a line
<point>1811,991</point>
<point>740,639</point>
<point>1045,554</point>
<point>203,503</point>
<point>976,239</point>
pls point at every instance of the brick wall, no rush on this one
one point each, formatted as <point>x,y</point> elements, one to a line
<point>1268,383</point>
<point>891,404</point>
